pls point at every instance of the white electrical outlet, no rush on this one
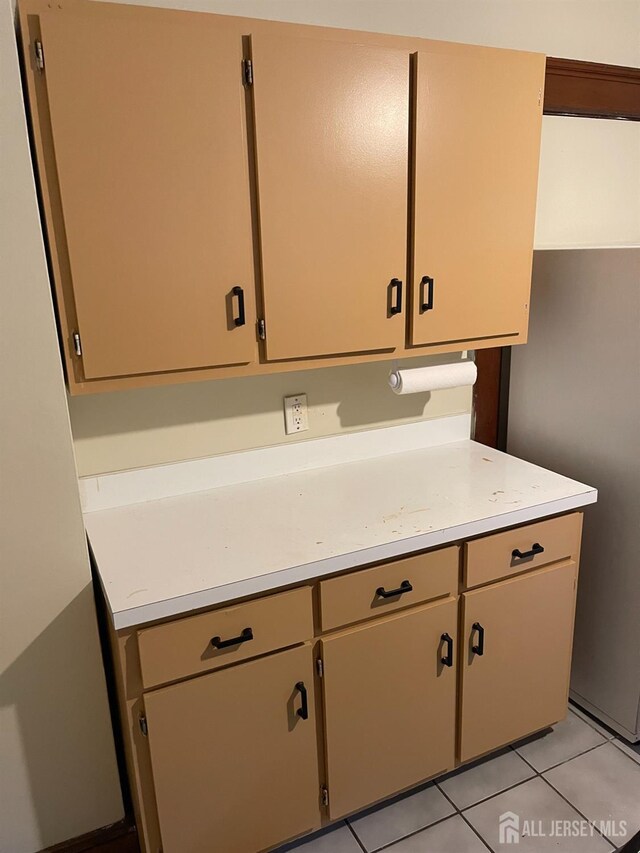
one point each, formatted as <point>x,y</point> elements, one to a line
<point>296,415</point>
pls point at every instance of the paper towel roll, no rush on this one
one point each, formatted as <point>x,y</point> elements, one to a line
<point>417,379</point>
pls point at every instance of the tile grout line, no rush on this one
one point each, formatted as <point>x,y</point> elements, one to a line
<point>584,716</point>
<point>486,800</point>
<point>620,749</point>
<point>456,813</point>
<point>611,736</point>
<point>353,832</point>
<point>576,809</point>
<point>565,761</point>
<point>536,773</point>
<point>422,828</point>
<point>459,812</point>
<point>495,793</point>
<point>448,798</point>
<point>475,831</point>
<point>528,763</point>
<point>598,728</point>
<point>411,834</point>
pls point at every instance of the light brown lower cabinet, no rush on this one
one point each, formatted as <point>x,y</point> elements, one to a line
<point>389,704</point>
<point>234,756</point>
<point>273,716</point>
<point>516,657</point>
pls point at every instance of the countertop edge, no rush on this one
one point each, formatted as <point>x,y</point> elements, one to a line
<point>185,604</point>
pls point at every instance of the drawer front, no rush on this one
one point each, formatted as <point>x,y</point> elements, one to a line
<point>200,643</point>
<point>522,549</point>
<point>366,593</point>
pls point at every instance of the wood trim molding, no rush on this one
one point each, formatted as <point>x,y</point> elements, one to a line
<point>120,837</point>
<point>486,396</point>
<point>591,89</point>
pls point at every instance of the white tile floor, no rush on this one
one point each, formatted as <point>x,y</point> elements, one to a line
<point>578,771</point>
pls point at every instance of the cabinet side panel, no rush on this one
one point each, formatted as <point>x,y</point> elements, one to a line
<point>124,649</point>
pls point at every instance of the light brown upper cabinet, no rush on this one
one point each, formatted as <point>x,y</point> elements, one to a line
<point>476,146</point>
<point>149,132</point>
<point>332,132</point>
<point>358,196</point>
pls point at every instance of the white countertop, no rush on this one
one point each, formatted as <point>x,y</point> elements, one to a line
<point>167,557</point>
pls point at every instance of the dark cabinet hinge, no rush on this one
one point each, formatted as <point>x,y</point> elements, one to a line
<point>324,795</point>
<point>77,345</point>
<point>144,728</point>
<point>39,54</point>
<point>262,330</point>
<point>247,72</point>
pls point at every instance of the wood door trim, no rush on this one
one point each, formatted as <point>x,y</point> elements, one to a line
<point>591,89</point>
<point>121,837</point>
<point>572,88</point>
<point>486,396</point>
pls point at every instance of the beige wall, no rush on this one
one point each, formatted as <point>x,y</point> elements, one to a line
<point>596,30</point>
<point>133,428</point>
<point>589,189</point>
<point>58,774</point>
<point>587,168</point>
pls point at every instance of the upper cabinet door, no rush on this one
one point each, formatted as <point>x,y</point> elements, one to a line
<point>148,123</point>
<point>332,128</point>
<point>477,139</point>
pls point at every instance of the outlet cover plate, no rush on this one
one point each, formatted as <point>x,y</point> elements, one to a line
<point>296,416</point>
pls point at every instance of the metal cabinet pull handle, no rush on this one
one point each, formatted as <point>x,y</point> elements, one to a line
<point>479,649</point>
<point>536,548</point>
<point>239,292</point>
<point>245,636</point>
<point>426,305</point>
<point>405,586</point>
<point>303,710</point>
<point>447,660</point>
<point>396,307</point>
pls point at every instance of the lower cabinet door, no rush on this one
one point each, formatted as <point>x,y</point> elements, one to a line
<point>516,657</point>
<point>234,756</point>
<point>390,704</point>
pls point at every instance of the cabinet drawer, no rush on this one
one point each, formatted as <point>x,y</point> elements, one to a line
<point>494,557</point>
<point>185,647</point>
<point>363,594</point>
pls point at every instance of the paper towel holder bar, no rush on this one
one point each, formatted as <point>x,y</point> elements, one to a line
<point>427,282</point>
